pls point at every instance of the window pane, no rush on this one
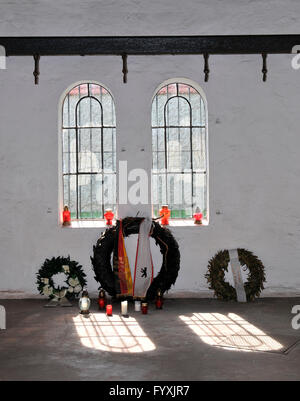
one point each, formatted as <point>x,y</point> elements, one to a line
<point>159,157</point>
<point>158,108</point>
<point>66,113</point>
<point>85,157</point>
<point>90,196</point>
<point>97,207</point>
<point>171,90</point>
<point>185,139</point>
<point>160,139</point>
<point>177,112</point>
<point>96,162</point>
<point>84,192</point>
<point>69,151</point>
<point>158,191</point>
<point>154,140</point>
<point>199,149</point>
<point>96,140</point>
<point>69,182</point>
<point>109,139</point>
<point>180,195</point>
<point>89,113</point>
<point>108,161</point>
<point>200,194</point>
<point>109,191</point>
<point>108,108</point>
<point>158,146</point>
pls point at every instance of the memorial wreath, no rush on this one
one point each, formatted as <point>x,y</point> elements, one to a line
<point>218,265</point>
<point>74,283</point>
<point>102,256</point>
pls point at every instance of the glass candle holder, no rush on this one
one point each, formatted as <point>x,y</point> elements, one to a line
<point>66,216</point>
<point>109,310</point>
<point>124,308</point>
<point>165,214</point>
<point>144,308</point>
<point>159,303</point>
<point>84,303</point>
<point>109,215</point>
<point>137,306</point>
<point>101,303</point>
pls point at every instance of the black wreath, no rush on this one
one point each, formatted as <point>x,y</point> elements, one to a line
<point>53,266</point>
<point>169,248</point>
<point>216,275</point>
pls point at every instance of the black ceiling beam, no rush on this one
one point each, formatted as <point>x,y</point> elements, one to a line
<point>148,45</point>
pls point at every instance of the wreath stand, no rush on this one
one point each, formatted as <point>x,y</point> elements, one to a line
<point>163,237</point>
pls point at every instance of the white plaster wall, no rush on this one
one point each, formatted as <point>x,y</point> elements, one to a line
<point>253,134</point>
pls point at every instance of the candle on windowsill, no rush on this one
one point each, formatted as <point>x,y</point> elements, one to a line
<point>165,214</point>
<point>198,216</point>
<point>108,215</point>
<point>109,310</point>
<point>66,216</point>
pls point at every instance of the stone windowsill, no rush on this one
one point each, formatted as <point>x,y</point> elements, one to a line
<point>102,223</point>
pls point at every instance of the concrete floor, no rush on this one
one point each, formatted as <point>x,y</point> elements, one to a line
<point>188,340</point>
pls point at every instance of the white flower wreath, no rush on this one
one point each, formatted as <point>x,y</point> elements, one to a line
<point>74,282</point>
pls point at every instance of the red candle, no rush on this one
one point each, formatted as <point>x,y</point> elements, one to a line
<point>109,310</point>
<point>101,299</point>
<point>159,303</point>
<point>108,215</point>
<point>198,216</point>
<point>159,300</point>
<point>144,308</point>
<point>101,302</point>
<point>66,216</point>
<point>165,213</point>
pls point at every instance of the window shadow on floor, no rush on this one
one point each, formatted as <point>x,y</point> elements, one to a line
<point>230,331</point>
<point>113,334</point>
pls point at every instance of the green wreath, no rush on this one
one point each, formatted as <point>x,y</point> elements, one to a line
<point>75,278</point>
<point>218,265</point>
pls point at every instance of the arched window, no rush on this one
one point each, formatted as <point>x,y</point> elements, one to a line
<point>179,149</point>
<point>89,151</point>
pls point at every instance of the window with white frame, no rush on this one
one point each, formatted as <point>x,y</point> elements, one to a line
<point>179,151</point>
<point>89,151</point>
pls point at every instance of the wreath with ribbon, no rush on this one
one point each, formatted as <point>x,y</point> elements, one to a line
<point>74,283</point>
<point>102,255</point>
<point>218,265</point>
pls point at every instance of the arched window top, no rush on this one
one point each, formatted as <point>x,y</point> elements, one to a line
<point>82,103</point>
<point>179,149</point>
<point>178,104</point>
<point>89,151</point>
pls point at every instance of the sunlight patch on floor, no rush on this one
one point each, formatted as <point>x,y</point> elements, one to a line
<point>113,334</point>
<point>230,331</point>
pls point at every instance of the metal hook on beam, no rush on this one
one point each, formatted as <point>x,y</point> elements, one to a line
<point>36,71</point>
<point>206,67</point>
<point>264,68</point>
<point>125,68</point>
